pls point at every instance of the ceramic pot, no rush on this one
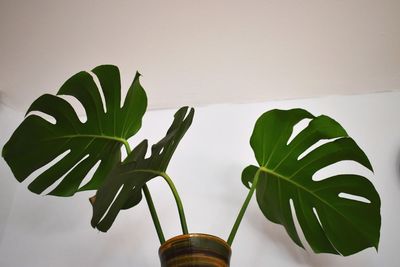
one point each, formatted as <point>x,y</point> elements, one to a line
<point>195,250</point>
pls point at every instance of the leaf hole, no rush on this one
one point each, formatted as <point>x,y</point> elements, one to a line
<point>37,172</point>
<point>319,221</point>
<point>44,116</point>
<point>297,226</point>
<point>112,202</point>
<point>317,216</point>
<point>148,154</point>
<point>90,174</point>
<point>314,146</point>
<point>77,106</point>
<point>300,126</point>
<point>345,166</point>
<point>59,180</point>
<point>124,154</point>
<point>100,90</point>
<point>354,197</point>
<point>126,83</point>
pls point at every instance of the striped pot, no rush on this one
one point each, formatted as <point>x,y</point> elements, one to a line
<point>195,250</point>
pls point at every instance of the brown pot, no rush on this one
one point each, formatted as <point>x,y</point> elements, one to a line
<point>195,250</point>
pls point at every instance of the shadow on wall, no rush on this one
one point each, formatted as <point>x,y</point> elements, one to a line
<point>398,165</point>
<point>1,100</point>
<point>277,234</point>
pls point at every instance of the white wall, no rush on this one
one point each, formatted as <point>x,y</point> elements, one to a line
<point>49,231</point>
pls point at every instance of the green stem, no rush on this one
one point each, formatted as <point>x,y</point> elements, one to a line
<point>153,213</point>
<point>150,204</point>
<point>243,209</point>
<point>178,202</point>
<point>127,147</point>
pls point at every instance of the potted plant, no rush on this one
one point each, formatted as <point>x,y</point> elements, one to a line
<point>338,215</point>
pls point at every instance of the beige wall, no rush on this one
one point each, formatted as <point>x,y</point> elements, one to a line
<point>201,52</point>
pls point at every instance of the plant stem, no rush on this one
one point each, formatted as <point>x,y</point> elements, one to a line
<point>243,209</point>
<point>150,204</point>
<point>127,147</point>
<point>153,213</point>
<point>178,202</point>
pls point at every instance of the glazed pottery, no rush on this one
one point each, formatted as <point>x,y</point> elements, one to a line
<point>195,250</point>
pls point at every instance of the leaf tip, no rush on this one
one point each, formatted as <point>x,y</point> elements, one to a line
<point>137,76</point>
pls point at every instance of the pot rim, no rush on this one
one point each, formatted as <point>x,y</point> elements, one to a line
<point>168,243</point>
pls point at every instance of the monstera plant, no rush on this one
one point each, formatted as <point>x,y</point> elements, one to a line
<point>338,214</point>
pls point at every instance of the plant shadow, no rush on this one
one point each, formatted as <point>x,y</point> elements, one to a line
<point>277,234</point>
<point>398,166</point>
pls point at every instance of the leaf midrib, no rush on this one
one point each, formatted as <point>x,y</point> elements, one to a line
<point>268,171</point>
<point>71,136</point>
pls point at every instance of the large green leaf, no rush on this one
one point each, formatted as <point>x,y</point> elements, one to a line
<point>36,142</point>
<point>123,186</point>
<point>331,222</point>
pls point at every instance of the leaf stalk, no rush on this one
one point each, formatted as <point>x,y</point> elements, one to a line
<point>178,202</point>
<point>153,213</point>
<point>150,204</point>
<point>243,209</point>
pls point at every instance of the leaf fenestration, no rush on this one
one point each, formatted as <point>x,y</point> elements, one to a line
<point>36,142</point>
<point>132,174</point>
<point>330,223</point>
